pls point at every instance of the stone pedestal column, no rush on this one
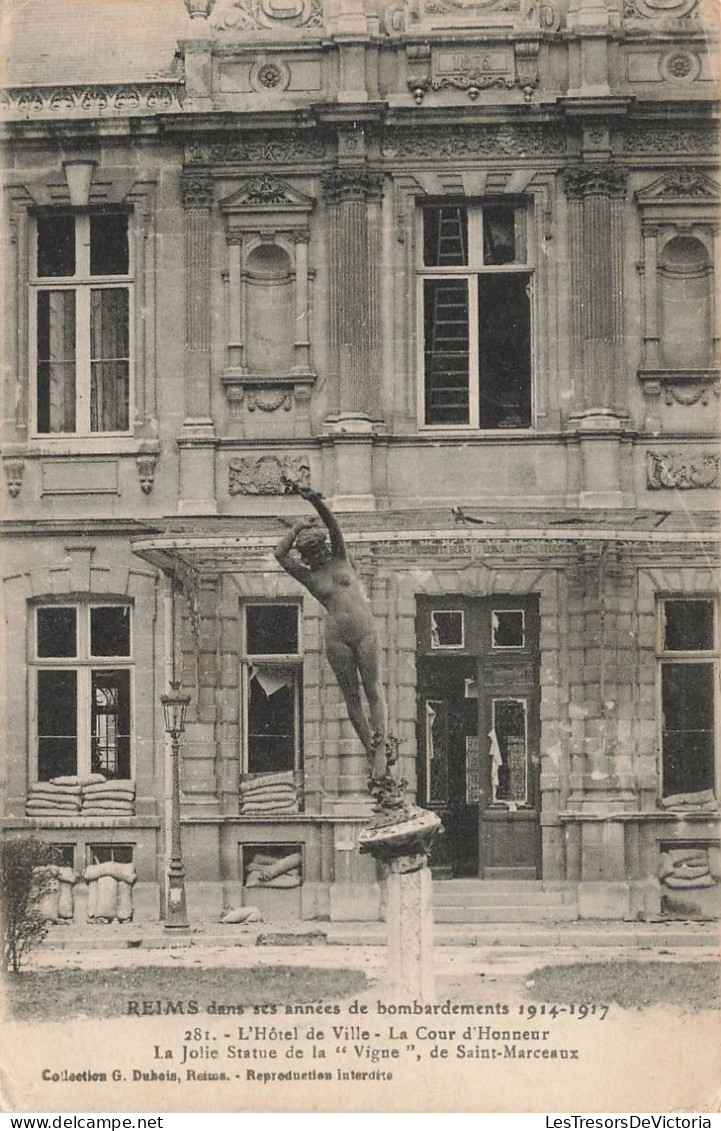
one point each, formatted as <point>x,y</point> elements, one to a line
<point>596,199</point>
<point>352,195</point>
<point>197,439</point>
<point>410,928</point>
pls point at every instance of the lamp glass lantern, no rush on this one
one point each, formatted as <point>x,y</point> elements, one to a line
<point>175,707</point>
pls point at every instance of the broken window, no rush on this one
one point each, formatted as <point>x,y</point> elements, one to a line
<point>82,322</point>
<point>436,727</point>
<point>476,302</point>
<point>508,751</point>
<point>508,628</point>
<point>447,628</point>
<point>688,678</point>
<point>82,705</point>
<point>272,679</point>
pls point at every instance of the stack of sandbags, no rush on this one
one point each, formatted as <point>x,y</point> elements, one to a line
<point>269,794</point>
<point>109,798</point>
<point>110,891</point>
<point>265,870</point>
<point>684,868</point>
<point>703,800</point>
<point>60,797</point>
<point>57,902</point>
<point>243,915</point>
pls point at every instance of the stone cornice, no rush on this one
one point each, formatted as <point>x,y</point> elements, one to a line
<point>91,101</point>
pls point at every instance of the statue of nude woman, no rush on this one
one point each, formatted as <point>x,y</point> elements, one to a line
<point>351,639</point>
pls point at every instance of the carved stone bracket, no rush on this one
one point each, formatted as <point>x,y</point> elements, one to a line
<point>340,185</point>
<point>266,475</point>
<point>145,463</point>
<point>595,179</point>
<point>696,386</point>
<point>14,471</point>
<point>687,471</point>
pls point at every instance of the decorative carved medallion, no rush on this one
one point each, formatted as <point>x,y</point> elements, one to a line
<point>459,142</point>
<point>283,398</point>
<point>352,184</point>
<point>660,9</point>
<point>687,471</point>
<point>196,190</point>
<point>266,475</point>
<point>237,15</point>
<point>14,471</point>
<point>77,100</point>
<point>274,147</point>
<point>597,179</point>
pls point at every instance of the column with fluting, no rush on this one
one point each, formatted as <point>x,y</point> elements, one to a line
<point>596,193</point>
<point>197,438</point>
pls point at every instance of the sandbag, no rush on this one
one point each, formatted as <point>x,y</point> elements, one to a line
<point>282,777</point>
<point>691,871</point>
<point>261,858</point>
<point>126,785</point>
<point>105,795</point>
<point>268,790</point>
<point>66,902</point>
<point>286,864</point>
<point>125,902</point>
<point>679,882</point>
<point>92,898</point>
<point>67,875</point>
<point>288,880</point>
<point>243,915</point>
<point>107,905</point>
<point>47,905</point>
<point>124,872</point>
<point>73,779</point>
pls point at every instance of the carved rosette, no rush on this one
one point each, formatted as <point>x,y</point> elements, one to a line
<point>341,185</point>
<point>196,190</point>
<point>266,475</point>
<point>597,179</point>
<point>684,471</point>
<point>14,471</point>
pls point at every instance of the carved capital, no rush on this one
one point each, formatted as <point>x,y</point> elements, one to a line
<point>340,185</point>
<point>596,179</point>
<point>266,475</point>
<point>199,9</point>
<point>196,190</point>
<point>14,471</point>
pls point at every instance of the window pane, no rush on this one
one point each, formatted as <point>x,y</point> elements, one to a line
<point>447,629</point>
<point>56,361</point>
<point>508,752</point>
<point>271,720</point>
<point>110,853</point>
<point>507,628</point>
<point>504,316</point>
<point>499,235</point>
<point>57,724</point>
<point>271,629</point>
<point>687,692</point>
<point>110,630</point>
<point>446,350</point>
<point>57,632</point>
<point>109,356</point>
<point>688,626</point>
<point>56,246</point>
<point>110,723</point>
<point>445,237</point>
<point>109,244</point>
<point>437,752</point>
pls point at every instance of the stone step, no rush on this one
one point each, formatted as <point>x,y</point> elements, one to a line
<point>508,885</point>
<point>481,897</point>
<point>502,913</point>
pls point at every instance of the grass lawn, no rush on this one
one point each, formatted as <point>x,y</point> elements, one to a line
<point>695,985</point>
<point>53,995</point>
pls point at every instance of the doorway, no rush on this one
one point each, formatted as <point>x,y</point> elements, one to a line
<point>478,733</point>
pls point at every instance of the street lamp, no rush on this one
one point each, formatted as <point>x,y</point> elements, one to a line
<point>175,705</point>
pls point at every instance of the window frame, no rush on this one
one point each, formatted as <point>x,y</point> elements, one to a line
<point>83,663</point>
<point>668,657</point>
<point>286,660</point>
<point>471,272</point>
<point>81,284</point>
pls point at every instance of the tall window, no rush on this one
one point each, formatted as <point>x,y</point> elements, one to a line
<point>475,298</point>
<point>80,319</point>
<point>272,682</point>
<point>688,657</point>
<point>82,671</point>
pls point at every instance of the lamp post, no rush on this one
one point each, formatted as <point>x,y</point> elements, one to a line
<point>175,705</point>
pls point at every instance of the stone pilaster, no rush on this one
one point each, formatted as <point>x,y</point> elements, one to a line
<point>596,193</point>
<point>352,195</point>
<point>197,440</point>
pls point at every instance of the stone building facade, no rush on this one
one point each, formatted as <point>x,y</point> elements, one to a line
<point>451,261</point>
